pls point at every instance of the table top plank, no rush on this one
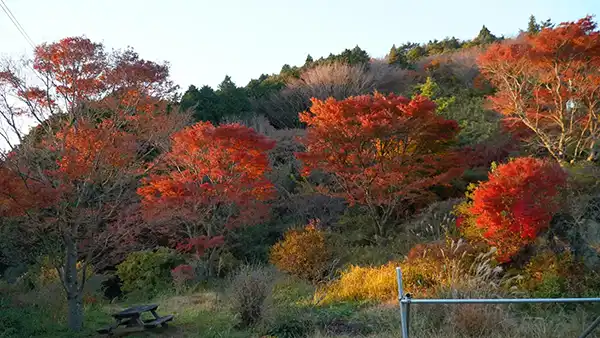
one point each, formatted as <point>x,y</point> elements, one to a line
<point>135,311</point>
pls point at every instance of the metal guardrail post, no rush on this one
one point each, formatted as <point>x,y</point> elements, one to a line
<point>404,299</point>
<point>404,302</point>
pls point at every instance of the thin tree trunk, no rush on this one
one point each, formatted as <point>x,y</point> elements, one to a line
<point>74,298</point>
<point>75,312</point>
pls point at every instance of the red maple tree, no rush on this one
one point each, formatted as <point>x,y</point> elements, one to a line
<point>384,151</point>
<point>66,181</point>
<point>548,84</point>
<point>514,205</point>
<point>210,182</point>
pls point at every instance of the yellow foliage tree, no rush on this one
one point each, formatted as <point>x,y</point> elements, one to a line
<point>303,253</point>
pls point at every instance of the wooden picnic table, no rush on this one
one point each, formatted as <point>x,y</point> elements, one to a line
<point>132,319</point>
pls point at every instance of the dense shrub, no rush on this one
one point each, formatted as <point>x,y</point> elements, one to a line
<point>514,205</point>
<point>17,320</point>
<point>290,327</point>
<point>477,124</point>
<point>546,275</point>
<point>358,283</point>
<point>16,251</point>
<point>303,253</point>
<point>148,272</point>
<point>12,273</point>
<point>340,319</point>
<point>550,274</point>
<point>250,291</point>
<point>427,269</point>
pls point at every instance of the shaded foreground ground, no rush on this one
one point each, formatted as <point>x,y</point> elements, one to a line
<point>291,314</point>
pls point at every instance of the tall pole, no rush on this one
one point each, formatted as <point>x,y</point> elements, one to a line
<point>404,305</point>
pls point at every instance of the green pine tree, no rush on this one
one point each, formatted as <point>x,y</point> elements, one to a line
<point>309,60</point>
<point>233,100</point>
<point>189,98</point>
<point>358,56</point>
<point>285,69</point>
<point>485,36</point>
<point>533,27</point>
<point>204,103</point>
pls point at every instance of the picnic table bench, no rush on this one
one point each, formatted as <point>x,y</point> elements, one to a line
<point>132,319</point>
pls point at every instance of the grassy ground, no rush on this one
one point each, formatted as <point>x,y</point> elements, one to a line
<point>205,313</point>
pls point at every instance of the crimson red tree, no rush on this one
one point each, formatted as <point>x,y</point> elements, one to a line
<point>69,177</point>
<point>384,152</point>
<point>548,84</point>
<point>514,205</point>
<point>210,182</point>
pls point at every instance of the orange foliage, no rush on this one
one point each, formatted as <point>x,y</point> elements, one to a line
<point>85,155</point>
<point>547,83</point>
<point>75,150</point>
<point>211,181</point>
<point>36,96</point>
<point>302,253</point>
<point>100,119</point>
<point>87,151</point>
<point>76,66</point>
<point>385,151</point>
<point>19,193</point>
<point>131,73</point>
<point>82,72</point>
<point>514,205</point>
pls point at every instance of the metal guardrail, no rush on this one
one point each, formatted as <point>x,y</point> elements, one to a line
<point>405,300</point>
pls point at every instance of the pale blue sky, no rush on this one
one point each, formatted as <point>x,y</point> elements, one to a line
<point>205,40</point>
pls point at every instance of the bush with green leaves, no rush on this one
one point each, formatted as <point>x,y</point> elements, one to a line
<point>477,124</point>
<point>551,274</point>
<point>148,272</point>
<point>290,327</point>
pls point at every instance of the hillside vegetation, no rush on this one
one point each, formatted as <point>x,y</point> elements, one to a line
<point>282,208</point>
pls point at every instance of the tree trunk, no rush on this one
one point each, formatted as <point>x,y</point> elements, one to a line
<point>75,318</point>
<point>74,298</point>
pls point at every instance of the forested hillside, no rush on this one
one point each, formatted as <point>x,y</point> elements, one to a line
<point>351,72</point>
<point>282,208</point>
